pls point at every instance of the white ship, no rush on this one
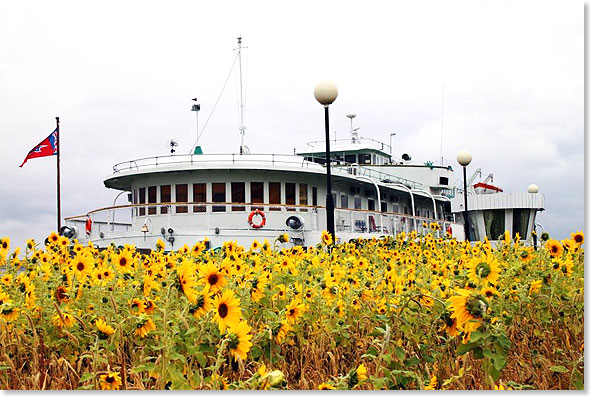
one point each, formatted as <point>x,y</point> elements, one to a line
<point>242,197</point>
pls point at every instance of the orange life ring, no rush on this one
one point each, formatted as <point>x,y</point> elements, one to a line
<point>251,216</point>
<point>88,226</point>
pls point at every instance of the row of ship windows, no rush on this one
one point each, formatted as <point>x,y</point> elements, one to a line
<point>257,194</point>
<point>361,159</point>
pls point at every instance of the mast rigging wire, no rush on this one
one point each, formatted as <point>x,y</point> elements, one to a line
<point>214,106</point>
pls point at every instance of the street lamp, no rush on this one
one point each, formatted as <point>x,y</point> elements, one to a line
<point>326,93</point>
<point>464,159</point>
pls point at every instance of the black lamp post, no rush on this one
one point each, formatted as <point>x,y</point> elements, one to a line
<point>326,93</point>
<point>464,159</point>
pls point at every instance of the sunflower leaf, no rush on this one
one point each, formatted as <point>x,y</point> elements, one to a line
<point>86,376</point>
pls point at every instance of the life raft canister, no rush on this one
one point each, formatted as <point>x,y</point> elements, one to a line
<point>88,226</point>
<point>251,216</point>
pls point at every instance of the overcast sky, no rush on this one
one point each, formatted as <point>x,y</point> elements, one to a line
<point>120,75</point>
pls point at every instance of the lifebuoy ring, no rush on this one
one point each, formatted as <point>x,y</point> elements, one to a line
<point>88,226</point>
<point>449,230</point>
<point>251,216</point>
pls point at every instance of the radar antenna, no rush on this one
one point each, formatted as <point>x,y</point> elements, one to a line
<point>353,132</point>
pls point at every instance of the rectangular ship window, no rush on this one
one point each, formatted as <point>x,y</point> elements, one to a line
<point>181,196</point>
<point>364,159</point>
<point>142,201</point>
<point>357,203</point>
<point>257,194</point>
<point>303,196</point>
<point>164,197</point>
<point>238,195</point>
<point>274,194</point>
<point>520,222</point>
<point>344,201</point>
<point>371,204</point>
<point>314,196</point>
<point>152,198</point>
<point>290,195</point>
<point>383,206</point>
<point>218,190</point>
<point>199,195</point>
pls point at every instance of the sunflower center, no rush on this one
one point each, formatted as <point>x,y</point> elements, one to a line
<point>524,254</point>
<point>476,307</point>
<point>292,312</point>
<point>578,238</point>
<point>213,279</point>
<point>123,262</point>
<point>80,266</point>
<point>222,310</point>
<point>483,270</point>
<point>4,245</point>
<point>234,341</point>
<point>554,249</point>
<point>110,379</point>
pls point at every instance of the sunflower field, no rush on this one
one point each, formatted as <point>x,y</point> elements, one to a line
<point>405,312</point>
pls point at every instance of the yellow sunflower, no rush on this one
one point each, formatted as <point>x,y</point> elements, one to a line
<point>484,269</point>
<point>468,309</point>
<point>202,305</point>
<point>212,276</point>
<point>186,273</point>
<point>136,306</point>
<point>326,386</point>
<point>7,311</point>
<point>554,248</point>
<point>239,340</point>
<point>144,326</point>
<point>105,329</point>
<point>227,310</point>
<point>489,292</point>
<point>326,238</point>
<point>4,247</point>
<point>123,261</point>
<point>535,286</point>
<point>578,237</point>
<point>255,245</point>
<point>361,370</point>
<point>53,238</point>
<point>526,255</point>
<point>450,324</point>
<point>280,332</point>
<point>294,310</point>
<point>67,321</point>
<point>82,265</point>
<point>110,381</point>
<point>149,306</point>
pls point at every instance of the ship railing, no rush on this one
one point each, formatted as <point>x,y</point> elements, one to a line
<point>359,140</point>
<point>138,217</point>
<point>359,170</point>
<point>191,159</point>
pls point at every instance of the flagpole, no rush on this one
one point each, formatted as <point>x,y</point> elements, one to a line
<point>58,144</point>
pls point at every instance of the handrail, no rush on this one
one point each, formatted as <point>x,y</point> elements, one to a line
<point>361,139</point>
<point>192,158</point>
<point>156,204</point>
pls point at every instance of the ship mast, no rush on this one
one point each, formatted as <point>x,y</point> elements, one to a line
<point>242,126</point>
